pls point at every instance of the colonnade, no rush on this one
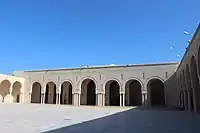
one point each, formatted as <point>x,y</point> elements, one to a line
<point>132,93</point>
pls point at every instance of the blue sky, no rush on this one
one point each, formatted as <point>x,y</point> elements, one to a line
<point>40,34</point>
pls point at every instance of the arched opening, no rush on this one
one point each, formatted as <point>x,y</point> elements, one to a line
<point>112,95</point>
<point>133,91</point>
<point>199,60</point>
<point>88,94</point>
<point>189,87</point>
<point>16,92</point>
<point>184,89</point>
<point>195,82</point>
<point>4,89</point>
<point>66,93</point>
<point>50,94</point>
<point>156,92</point>
<point>36,93</point>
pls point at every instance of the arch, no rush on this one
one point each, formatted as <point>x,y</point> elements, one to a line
<point>50,93</point>
<point>199,60</point>
<point>183,79</point>
<point>66,93</point>
<point>134,78</point>
<point>184,89</point>
<point>35,81</point>
<point>5,86</point>
<point>112,79</point>
<point>154,77</point>
<point>190,91</point>
<point>86,78</point>
<point>66,80</point>
<point>195,82</point>
<point>156,92</point>
<point>133,92</point>
<point>88,92</point>
<point>16,90</point>
<point>36,92</point>
<point>112,93</point>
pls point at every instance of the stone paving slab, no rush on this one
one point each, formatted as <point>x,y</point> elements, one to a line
<point>18,118</point>
<point>70,119</point>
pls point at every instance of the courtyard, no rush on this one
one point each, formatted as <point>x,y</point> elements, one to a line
<point>36,118</point>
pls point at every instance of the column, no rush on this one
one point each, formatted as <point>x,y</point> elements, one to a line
<point>189,101</point>
<point>99,99</point>
<point>76,99</point>
<point>30,97</point>
<point>41,98</point>
<point>143,100</point>
<point>194,100</point>
<point>103,99</point>
<point>184,98</point>
<point>59,97</point>
<point>123,99</point>
<point>120,99</point>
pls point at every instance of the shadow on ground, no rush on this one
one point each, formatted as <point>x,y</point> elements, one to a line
<point>138,120</point>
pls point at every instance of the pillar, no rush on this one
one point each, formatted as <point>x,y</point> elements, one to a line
<point>189,101</point>
<point>41,98</point>
<point>194,100</point>
<point>76,99</point>
<point>184,98</point>
<point>120,99</point>
<point>123,99</point>
<point>30,97</point>
<point>99,99</point>
<point>59,97</point>
<point>144,100</point>
<point>103,99</point>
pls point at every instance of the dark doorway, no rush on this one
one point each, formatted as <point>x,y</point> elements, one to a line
<point>36,93</point>
<point>88,92</point>
<point>112,93</point>
<point>18,98</point>
<point>91,96</point>
<point>50,94</point>
<point>66,93</point>
<point>133,93</point>
<point>157,94</point>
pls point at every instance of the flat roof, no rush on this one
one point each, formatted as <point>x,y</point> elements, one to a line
<point>103,66</point>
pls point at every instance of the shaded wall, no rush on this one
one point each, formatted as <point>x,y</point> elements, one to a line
<point>171,92</point>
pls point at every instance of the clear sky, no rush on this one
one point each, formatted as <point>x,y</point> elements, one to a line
<point>40,34</point>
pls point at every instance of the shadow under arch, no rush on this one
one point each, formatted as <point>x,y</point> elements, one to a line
<point>195,83</point>
<point>50,93</point>
<point>36,92</point>
<point>5,89</point>
<point>66,92</point>
<point>189,88</point>
<point>16,91</point>
<point>133,92</point>
<point>88,91</point>
<point>155,91</point>
<point>112,92</point>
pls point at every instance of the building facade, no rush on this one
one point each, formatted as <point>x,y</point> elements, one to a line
<point>128,85</point>
<point>188,75</point>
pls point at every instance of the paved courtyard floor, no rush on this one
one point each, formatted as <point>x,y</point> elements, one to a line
<point>69,119</point>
